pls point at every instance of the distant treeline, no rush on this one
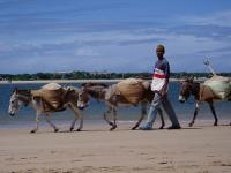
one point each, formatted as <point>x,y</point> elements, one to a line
<point>95,76</point>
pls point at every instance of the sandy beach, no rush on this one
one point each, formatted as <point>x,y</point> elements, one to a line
<point>201,149</point>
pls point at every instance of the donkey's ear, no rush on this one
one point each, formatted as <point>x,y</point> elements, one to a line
<point>15,90</point>
<point>184,78</point>
<point>191,78</point>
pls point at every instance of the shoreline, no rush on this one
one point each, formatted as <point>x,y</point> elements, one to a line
<point>127,124</point>
<point>58,81</point>
<point>77,81</point>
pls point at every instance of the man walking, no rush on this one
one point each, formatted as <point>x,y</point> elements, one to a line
<point>159,85</point>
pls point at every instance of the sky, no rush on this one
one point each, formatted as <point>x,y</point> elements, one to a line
<point>113,35</point>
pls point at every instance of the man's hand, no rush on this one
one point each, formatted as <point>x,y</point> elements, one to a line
<point>163,92</point>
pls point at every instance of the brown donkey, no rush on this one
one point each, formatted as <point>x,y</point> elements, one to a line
<point>113,98</point>
<point>74,99</point>
<point>201,93</point>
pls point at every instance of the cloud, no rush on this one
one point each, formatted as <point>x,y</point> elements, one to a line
<point>221,18</point>
<point>210,31</point>
<point>55,8</point>
<point>86,52</point>
<point>218,51</point>
<point>99,35</point>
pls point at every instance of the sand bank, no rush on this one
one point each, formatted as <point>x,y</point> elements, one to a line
<point>188,150</point>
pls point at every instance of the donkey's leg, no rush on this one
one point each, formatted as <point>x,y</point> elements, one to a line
<point>81,120</point>
<point>106,113</point>
<point>73,124</point>
<point>37,123</point>
<point>47,117</point>
<point>75,119</point>
<point>143,113</point>
<point>79,116</point>
<point>196,111</point>
<point>160,112</point>
<point>114,125</point>
<point>212,108</point>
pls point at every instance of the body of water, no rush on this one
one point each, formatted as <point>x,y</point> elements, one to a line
<point>96,108</point>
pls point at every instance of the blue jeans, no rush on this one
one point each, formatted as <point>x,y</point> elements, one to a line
<point>157,101</point>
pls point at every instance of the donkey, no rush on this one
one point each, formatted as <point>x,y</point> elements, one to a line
<point>71,98</point>
<point>109,94</point>
<point>200,93</point>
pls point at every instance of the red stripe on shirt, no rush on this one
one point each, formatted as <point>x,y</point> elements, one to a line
<point>159,75</point>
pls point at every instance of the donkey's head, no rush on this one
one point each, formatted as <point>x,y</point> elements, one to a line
<point>95,90</point>
<point>18,99</point>
<point>185,89</point>
<point>83,98</point>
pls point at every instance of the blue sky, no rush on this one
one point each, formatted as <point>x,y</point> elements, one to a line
<point>113,35</point>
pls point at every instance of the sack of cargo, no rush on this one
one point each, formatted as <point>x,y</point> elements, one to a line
<point>221,86</point>
<point>52,86</point>
<point>131,89</point>
<point>52,95</point>
<point>146,85</point>
<point>206,93</point>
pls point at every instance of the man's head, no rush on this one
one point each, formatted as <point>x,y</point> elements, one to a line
<point>160,51</point>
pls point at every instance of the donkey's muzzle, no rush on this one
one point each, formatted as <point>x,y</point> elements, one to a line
<point>81,108</point>
<point>11,114</point>
<point>181,99</point>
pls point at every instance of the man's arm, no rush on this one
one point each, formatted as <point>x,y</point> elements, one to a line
<point>167,76</point>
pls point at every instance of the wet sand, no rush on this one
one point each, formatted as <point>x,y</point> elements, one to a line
<point>202,149</point>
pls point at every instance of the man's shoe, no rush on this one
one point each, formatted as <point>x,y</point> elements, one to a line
<point>146,128</point>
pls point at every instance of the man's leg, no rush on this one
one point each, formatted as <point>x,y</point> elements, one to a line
<point>156,102</point>
<point>169,110</point>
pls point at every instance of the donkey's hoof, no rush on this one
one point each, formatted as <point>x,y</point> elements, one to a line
<point>56,130</point>
<point>113,127</point>
<point>134,128</point>
<point>190,124</point>
<point>215,124</point>
<point>79,129</point>
<point>71,129</point>
<point>33,131</point>
<point>161,127</point>
<point>136,125</point>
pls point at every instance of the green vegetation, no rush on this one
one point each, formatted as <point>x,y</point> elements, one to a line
<point>78,75</point>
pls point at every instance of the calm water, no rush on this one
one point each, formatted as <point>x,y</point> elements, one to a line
<point>95,110</point>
